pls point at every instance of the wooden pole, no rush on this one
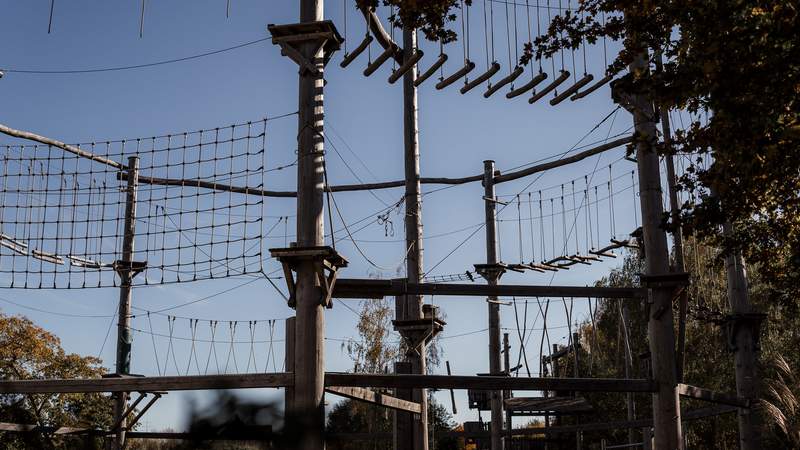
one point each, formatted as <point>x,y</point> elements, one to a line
<point>677,234</point>
<point>631,412</point>
<point>492,277</point>
<point>507,370</point>
<point>289,362</point>
<point>410,306</point>
<point>744,337</point>
<point>309,365</point>
<point>666,410</point>
<point>126,274</point>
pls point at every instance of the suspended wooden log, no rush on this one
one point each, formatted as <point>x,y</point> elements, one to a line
<point>86,263</point>
<point>382,58</point>
<point>509,79</point>
<point>350,57</point>
<point>541,76</point>
<point>407,65</point>
<point>49,257</point>
<point>592,88</point>
<point>572,89</point>
<point>14,245</point>
<point>468,67</point>
<point>561,78</point>
<point>431,70</point>
<point>493,69</point>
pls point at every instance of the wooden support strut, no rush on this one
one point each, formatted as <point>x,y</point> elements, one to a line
<point>375,398</point>
<point>504,81</point>
<point>431,70</point>
<point>560,79</point>
<point>468,67</point>
<point>326,263</point>
<point>493,69</point>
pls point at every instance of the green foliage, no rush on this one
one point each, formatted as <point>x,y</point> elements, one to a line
<point>29,352</point>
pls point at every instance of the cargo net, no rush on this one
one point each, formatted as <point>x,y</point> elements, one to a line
<point>62,218</point>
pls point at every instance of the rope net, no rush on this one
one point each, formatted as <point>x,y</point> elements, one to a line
<point>62,217</point>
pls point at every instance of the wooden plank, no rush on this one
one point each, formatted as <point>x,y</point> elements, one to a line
<point>147,384</point>
<point>361,288</point>
<point>366,395</point>
<point>698,393</point>
<point>488,383</point>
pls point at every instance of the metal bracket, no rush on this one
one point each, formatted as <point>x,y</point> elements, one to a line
<point>322,33</point>
<point>325,260</point>
<point>132,267</point>
<point>734,322</point>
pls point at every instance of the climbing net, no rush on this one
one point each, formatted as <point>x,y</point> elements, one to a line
<point>63,215</point>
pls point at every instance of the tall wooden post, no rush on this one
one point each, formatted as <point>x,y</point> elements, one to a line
<point>625,316</point>
<point>666,409</point>
<point>492,276</point>
<point>677,235</point>
<point>507,370</point>
<point>126,274</point>
<point>289,356</point>
<point>410,307</point>
<point>743,332</point>
<point>309,363</point>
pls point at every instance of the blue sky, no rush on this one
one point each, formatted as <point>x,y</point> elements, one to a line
<point>363,121</point>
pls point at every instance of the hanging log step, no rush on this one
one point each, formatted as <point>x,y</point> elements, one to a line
<point>592,88</point>
<point>382,58</point>
<point>572,89</point>
<point>541,76</point>
<point>407,65</point>
<point>547,89</point>
<point>431,70</point>
<point>468,67</point>
<point>493,69</point>
<point>509,79</point>
<point>350,57</point>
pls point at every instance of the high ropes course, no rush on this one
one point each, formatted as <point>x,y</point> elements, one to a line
<point>191,206</point>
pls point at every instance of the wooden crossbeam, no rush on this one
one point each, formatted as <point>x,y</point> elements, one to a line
<point>375,398</point>
<point>698,393</point>
<point>276,380</point>
<point>489,382</point>
<point>510,176</point>
<point>362,288</point>
<point>147,384</point>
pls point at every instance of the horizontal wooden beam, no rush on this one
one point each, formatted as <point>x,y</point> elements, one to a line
<point>698,393</point>
<point>275,380</point>
<point>488,383</point>
<point>375,398</point>
<point>383,185</point>
<point>147,384</point>
<point>363,288</point>
<point>58,144</point>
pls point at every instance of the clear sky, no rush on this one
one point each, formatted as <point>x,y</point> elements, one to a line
<point>364,121</point>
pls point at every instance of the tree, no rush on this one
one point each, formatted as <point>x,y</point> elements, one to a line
<point>29,352</point>
<point>373,352</point>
